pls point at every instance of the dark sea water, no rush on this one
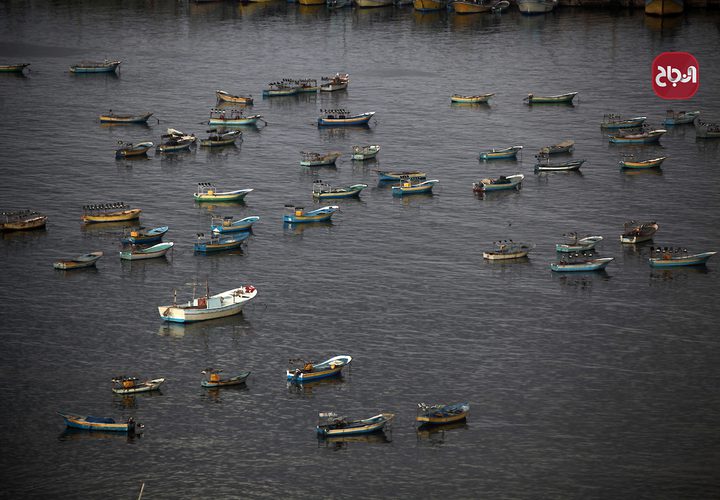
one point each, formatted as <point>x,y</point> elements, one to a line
<point>595,385</point>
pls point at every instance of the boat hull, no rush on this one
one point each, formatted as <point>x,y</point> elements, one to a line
<point>405,191</point>
<point>502,154</point>
<point>354,193</point>
<point>595,265</point>
<point>293,219</point>
<point>470,8</point>
<point>188,315</point>
<point>470,99</point>
<point>311,377</point>
<point>505,256</point>
<point>654,163</point>
<point>105,68</point>
<point>646,235</point>
<point>428,5</point>
<point>688,260</point>
<point>240,379</point>
<point>236,227</point>
<point>688,117</point>
<point>125,119</point>
<point>367,426</point>
<point>560,167</point>
<point>66,265</point>
<point>150,385</point>
<point>706,130</point>
<point>232,196</point>
<point>283,92</point>
<point>649,138</point>
<point>13,68</point>
<point>113,217</point>
<point>148,253</point>
<point>444,419</point>
<point>251,120</point>
<point>217,247</point>
<point>24,225</point>
<point>557,99</point>
<point>578,247</point>
<point>345,122</point>
<point>233,98</point>
<point>77,422</point>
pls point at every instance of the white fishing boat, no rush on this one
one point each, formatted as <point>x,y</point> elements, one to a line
<point>362,153</point>
<point>152,252</point>
<point>208,306</point>
<point>131,385</point>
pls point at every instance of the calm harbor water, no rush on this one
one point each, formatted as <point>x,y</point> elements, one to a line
<point>592,385</point>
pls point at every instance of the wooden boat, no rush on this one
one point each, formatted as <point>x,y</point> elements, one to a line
<point>109,212</point>
<point>111,117</point>
<point>307,86</point>
<point>21,220</point>
<point>295,214</point>
<point>91,423</point>
<point>429,5</point>
<point>206,191</point>
<point>663,7</point>
<point>390,175</point>
<point>231,118</point>
<point>576,244</point>
<point>218,243</point>
<point>13,68</point>
<point>208,307</point>
<point>406,187</point>
<point>223,96</point>
<point>332,425</point>
<point>322,190</point>
<point>85,260</point>
<point>368,152</point>
<point>224,225</point>
<point>677,257</point>
<point>651,163</point>
<point>505,250</point>
<point>544,165</point>
<point>469,99</point>
<point>213,379</point>
<point>550,99</point>
<point>105,66</point>
<point>533,7</point>
<point>365,4</point>
<point>500,154</point>
<point>615,121</point>
<point>343,118</point>
<point>442,414</point>
<point>679,117</point>
<point>131,385</point>
<point>637,232</point>
<point>158,250</point>
<point>560,147</point>
<point>580,263</point>
<point>705,130</point>
<point>128,149</point>
<point>334,83</point>
<point>499,184</point>
<point>174,141</point>
<point>220,138</point>
<point>141,237</point>
<point>300,370</point>
<point>285,86</point>
<point>470,7</point>
<point>310,159</point>
<point>638,138</point>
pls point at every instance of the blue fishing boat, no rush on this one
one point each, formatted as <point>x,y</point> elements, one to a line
<point>105,66</point>
<point>390,175</point>
<point>323,190</point>
<point>614,121</point>
<point>679,117</point>
<point>300,370</point>
<point>677,257</point>
<point>141,237</point>
<point>228,224</point>
<point>282,88</point>
<point>298,214</point>
<point>500,154</point>
<point>499,184</point>
<point>217,243</point>
<point>406,187</point>
<point>330,424</point>
<point>581,262</point>
<point>638,138</point>
<point>213,379</point>
<point>343,118</point>
<point>576,244</point>
<point>101,423</point>
<point>442,413</point>
<point>155,251</point>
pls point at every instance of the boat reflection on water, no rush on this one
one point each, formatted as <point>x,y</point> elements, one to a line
<point>434,435</point>
<point>70,434</point>
<point>299,229</point>
<point>675,276</point>
<point>663,24</point>
<point>129,401</point>
<point>109,227</point>
<point>657,171</point>
<point>237,325</point>
<point>340,442</point>
<point>216,394</point>
<point>310,388</point>
<point>582,280</point>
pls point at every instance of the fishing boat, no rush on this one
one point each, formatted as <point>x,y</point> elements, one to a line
<point>500,154</point>
<point>429,5</point>
<point>576,244</point>
<point>105,66</point>
<point>508,249</point>
<point>155,251</point>
<point>224,225</point>
<point>560,147</point>
<point>220,138</point>
<point>21,220</point>
<point>332,425</point>
<point>615,121</point>
<point>677,257</point>
<point>282,88</point>
<point>637,232</point>
<point>663,7</point>
<point>130,385</point>
<point>645,137</point>
<point>533,7</point>
<point>140,236</point>
<point>631,163</point>
<point>208,306</point>
<point>175,141</point>
<point>470,7</point>
<point>580,262</point>
<point>310,159</point>
<point>295,214</point>
<point>334,83</point>
<point>365,4</point>
<point>441,413</point>
<point>343,118</point>
<point>300,370</point>
<point>368,152</point>
<point>101,423</point>
<point>111,117</point>
<point>177,134</point>
<point>128,149</point>
<point>543,164</point>
<point>550,99</point>
<point>705,130</point>
<point>231,118</point>
<point>13,68</point>
<point>499,184</point>
<point>307,86</point>
<point>206,191</point>
<point>469,99</point>
<point>406,187</point>
<point>109,212</point>
<point>213,380</point>
<point>322,190</point>
<point>216,242</point>
<point>223,96</point>
<point>79,262</point>
<point>679,117</point>
<point>396,175</point>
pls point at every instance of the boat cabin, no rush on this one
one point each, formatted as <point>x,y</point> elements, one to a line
<point>295,210</point>
<point>213,375</point>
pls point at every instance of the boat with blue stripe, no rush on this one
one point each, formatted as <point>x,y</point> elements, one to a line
<point>213,379</point>
<point>297,214</point>
<point>228,224</point>
<point>647,137</point>
<point>141,237</point>
<point>406,187</point>
<point>331,424</point>
<point>499,184</point>
<point>442,413</point>
<point>300,370</point>
<point>343,118</point>
<point>677,257</point>
<point>322,190</point>
<point>576,244</point>
<point>500,154</point>
<point>105,66</point>
<point>679,117</point>
<point>100,423</point>
<point>219,243</point>
<point>579,263</point>
<point>155,251</point>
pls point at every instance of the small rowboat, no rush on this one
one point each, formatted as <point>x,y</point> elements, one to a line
<point>581,265</point>
<point>499,184</point>
<point>95,67</point>
<point>207,191</point>
<point>429,5</point>
<point>13,68</point>
<point>557,167</point>
<point>115,118</point>
<point>361,153</point>
<point>217,243</point>
<point>128,149</point>
<point>217,138</point>
<point>310,159</point>
<point>575,244</point>
<point>223,96</point>
<point>333,83</point>
<point>442,414</point>
<point>500,154</point>
<point>653,163</point>
<point>470,99</point>
<point>152,252</point>
<point>141,237</point>
<point>639,138</point>
<point>343,118</point>
<point>407,187</point>
<point>109,212</point>
<point>550,99</point>
<point>672,259</point>
<point>560,147</point>
<point>223,225</point>
<point>330,424</point>
<point>85,260</point>
<point>298,214</point>
<point>208,307</point>
<point>175,141</point>
<point>301,371</point>
<point>637,232</point>
<point>679,117</point>
<point>22,220</point>
<point>614,121</point>
<point>324,190</point>
<point>231,118</point>
<point>389,175</point>
<point>705,130</point>
<point>470,7</point>
<point>101,423</point>
<point>131,385</point>
<point>213,379</point>
<point>505,250</point>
